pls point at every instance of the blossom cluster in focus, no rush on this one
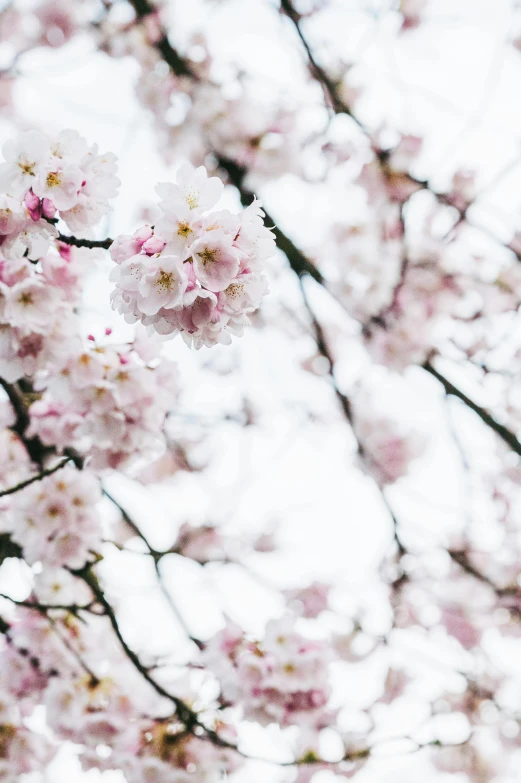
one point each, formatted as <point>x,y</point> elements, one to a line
<point>196,272</point>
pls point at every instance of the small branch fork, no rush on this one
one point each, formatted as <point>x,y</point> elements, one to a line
<point>156,557</point>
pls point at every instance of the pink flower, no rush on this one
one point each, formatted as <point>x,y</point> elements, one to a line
<point>197,311</point>
<point>60,185</point>
<point>55,520</point>
<point>30,304</point>
<point>216,261</point>
<point>163,286</point>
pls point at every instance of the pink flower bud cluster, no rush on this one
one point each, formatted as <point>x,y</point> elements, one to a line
<point>284,679</point>
<point>55,520</point>
<point>197,273</point>
<point>108,402</point>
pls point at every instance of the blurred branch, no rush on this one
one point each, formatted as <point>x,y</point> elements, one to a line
<point>36,605</point>
<point>185,714</point>
<point>156,557</point>
<point>37,477</point>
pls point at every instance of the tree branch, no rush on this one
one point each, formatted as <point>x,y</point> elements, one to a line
<point>90,243</point>
<point>504,433</point>
<point>185,714</point>
<point>39,607</point>
<point>156,557</point>
<point>37,477</point>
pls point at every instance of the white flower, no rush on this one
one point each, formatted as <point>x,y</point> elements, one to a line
<point>193,188</point>
<point>24,159</point>
<point>177,230</point>
<point>58,586</point>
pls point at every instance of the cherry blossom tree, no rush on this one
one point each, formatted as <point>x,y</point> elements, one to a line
<point>260,425</point>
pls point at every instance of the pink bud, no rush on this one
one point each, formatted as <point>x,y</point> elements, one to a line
<point>153,245</point>
<point>142,234</point>
<point>64,250</point>
<point>34,207</point>
<point>91,337</point>
<point>48,208</point>
<point>108,330</point>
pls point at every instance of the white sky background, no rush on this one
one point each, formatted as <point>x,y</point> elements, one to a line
<point>453,81</point>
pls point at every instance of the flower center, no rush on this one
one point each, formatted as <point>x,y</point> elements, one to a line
<point>184,229</point>
<point>234,290</point>
<point>53,179</point>
<point>165,281</point>
<point>25,298</point>
<point>207,256</point>
<point>27,167</point>
<point>192,200</point>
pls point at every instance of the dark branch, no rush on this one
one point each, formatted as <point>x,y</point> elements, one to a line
<point>504,433</point>
<point>185,714</point>
<point>90,243</point>
<point>37,477</point>
<point>296,258</point>
<point>44,608</point>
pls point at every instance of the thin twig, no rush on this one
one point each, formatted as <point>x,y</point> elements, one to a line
<point>36,477</point>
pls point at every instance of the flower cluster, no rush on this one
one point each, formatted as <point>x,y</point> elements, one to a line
<point>92,711</point>
<point>41,181</point>
<point>43,177</point>
<point>108,402</point>
<point>283,679</point>
<point>196,272</point>
<point>37,309</point>
<point>55,520</point>
<point>164,753</point>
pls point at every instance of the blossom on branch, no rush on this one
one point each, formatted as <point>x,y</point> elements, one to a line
<point>197,273</point>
